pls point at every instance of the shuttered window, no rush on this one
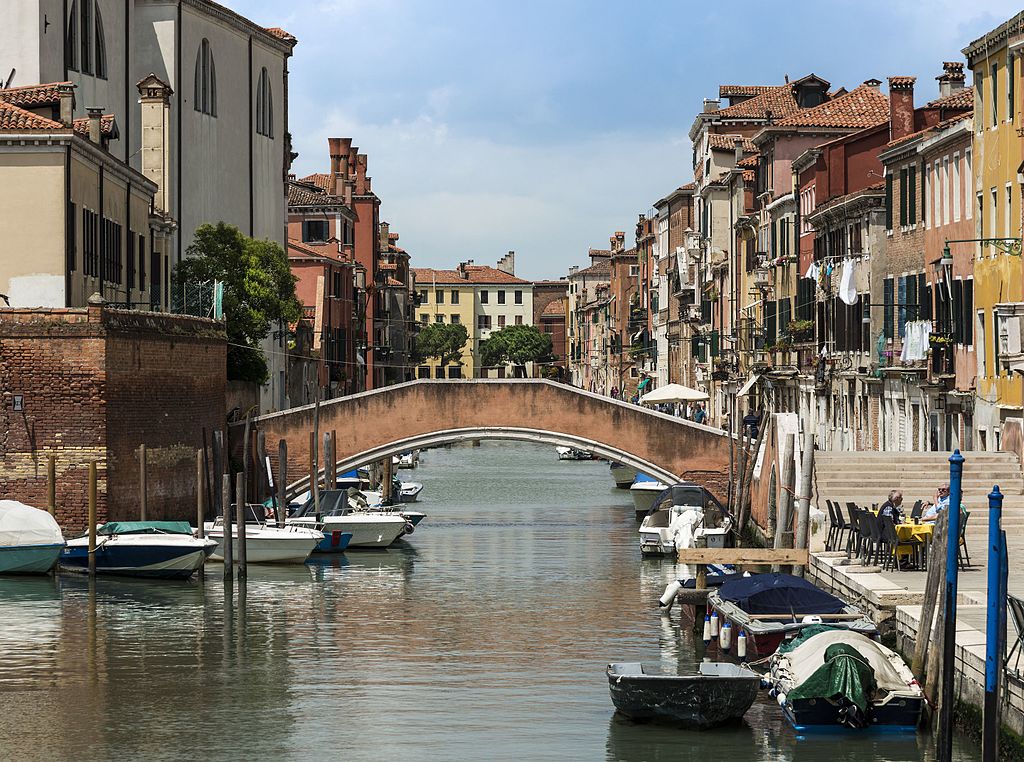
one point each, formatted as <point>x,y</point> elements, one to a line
<point>912,197</point>
<point>903,197</point>
<point>887,307</point>
<point>769,322</point>
<point>958,310</point>
<point>805,299</point>
<point>967,313</point>
<point>888,201</point>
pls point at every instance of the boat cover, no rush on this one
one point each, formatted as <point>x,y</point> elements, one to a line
<point>22,525</point>
<point>145,527</point>
<point>809,657</point>
<point>844,674</point>
<point>779,594</point>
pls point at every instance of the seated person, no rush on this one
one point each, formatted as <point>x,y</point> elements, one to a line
<point>891,507</point>
<point>941,503</point>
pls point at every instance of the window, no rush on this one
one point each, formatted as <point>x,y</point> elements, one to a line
<point>519,319</point>
<point>888,201</point>
<point>484,297</point>
<point>501,321</point>
<point>945,191</point>
<point>438,296</point>
<point>887,305</point>
<point>205,94</point>
<point>903,197</point>
<point>264,106</point>
<point>314,231</point>
<point>423,372</point>
<point>71,38</point>
<point>454,371</point>
<point>1009,87</point>
<point>981,214</point>
<point>993,97</point>
<point>71,252</point>
<point>101,46</point>
<point>423,296</point>
<point>90,239</point>
<point>110,251</point>
<point>968,182</point>
<point>439,318</point>
<point>980,332</point>
<point>456,319</point>
<point>956,187</point>
<point>993,205</point>
<point>912,197</point>
<point>926,207</point>
<point>966,311</point>
<point>1007,224</point>
<point>483,322</point>
<point>142,263</point>
<point>634,271</point>
<point>129,260</point>
<point>501,297</point>
<point>439,372</point>
<point>518,297</point>
<point>85,36</point>
<point>455,297</point>
<point>424,318</point>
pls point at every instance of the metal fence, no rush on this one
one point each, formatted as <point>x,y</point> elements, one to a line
<point>203,299</point>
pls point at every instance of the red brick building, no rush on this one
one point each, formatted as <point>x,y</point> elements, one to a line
<point>92,384</point>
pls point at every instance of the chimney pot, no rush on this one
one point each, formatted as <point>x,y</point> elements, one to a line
<point>711,104</point>
<point>95,123</point>
<point>66,93</point>
<point>901,106</point>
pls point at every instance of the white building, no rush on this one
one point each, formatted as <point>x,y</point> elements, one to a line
<point>228,125</point>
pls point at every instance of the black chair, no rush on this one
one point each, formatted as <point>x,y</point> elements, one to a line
<point>832,526</point>
<point>896,544</point>
<point>868,533</point>
<point>853,541</point>
<point>917,510</point>
<point>961,551</point>
<point>843,527</point>
<point>1015,608</point>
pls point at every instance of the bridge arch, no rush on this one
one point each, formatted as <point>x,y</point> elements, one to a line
<point>428,413</point>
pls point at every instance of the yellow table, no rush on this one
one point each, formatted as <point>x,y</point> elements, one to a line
<point>910,531</point>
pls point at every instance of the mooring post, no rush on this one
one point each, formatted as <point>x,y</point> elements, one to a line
<point>994,636</point>
<point>803,510</point>
<point>334,459</point>
<point>388,481</point>
<point>51,485</point>
<point>956,470</point>
<point>200,493</point>
<point>240,515</point>
<point>92,517</point>
<point>225,500</point>
<point>282,482</point>
<point>143,484</point>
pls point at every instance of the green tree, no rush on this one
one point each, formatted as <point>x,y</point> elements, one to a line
<point>441,341</point>
<point>516,345</point>
<point>259,290</point>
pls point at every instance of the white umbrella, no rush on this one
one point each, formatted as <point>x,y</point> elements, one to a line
<point>673,393</point>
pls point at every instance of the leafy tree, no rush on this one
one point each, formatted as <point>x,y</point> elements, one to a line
<point>442,341</point>
<point>516,345</point>
<point>259,290</point>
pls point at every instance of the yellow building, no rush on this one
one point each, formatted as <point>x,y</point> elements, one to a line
<point>994,60</point>
<point>444,296</point>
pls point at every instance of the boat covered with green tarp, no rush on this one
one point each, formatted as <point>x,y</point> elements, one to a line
<point>829,677</point>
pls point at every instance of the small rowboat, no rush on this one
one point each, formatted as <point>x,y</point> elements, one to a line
<point>719,693</point>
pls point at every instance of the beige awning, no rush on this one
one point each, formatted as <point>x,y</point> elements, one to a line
<point>751,382</point>
<point>673,393</point>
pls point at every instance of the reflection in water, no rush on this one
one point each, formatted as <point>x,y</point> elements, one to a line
<point>484,636</point>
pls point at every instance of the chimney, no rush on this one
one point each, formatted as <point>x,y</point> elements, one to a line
<point>873,83</point>
<point>951,79</point>
<point>95,124</point>
<point>901,106</point>
<point>155,120</point>
<point>711,104</point>
<point>385,236</point>
<point>338,148</point>
<point>738,149</point>
<point>507,264</point>
<point>361,185</point>
<point>66,93</point>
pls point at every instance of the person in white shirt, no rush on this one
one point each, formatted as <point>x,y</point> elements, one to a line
<point>940,503</point>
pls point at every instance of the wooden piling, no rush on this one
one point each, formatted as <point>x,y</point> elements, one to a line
<point>240,520</point>
<point>282,482</point>
<point>388,481</point>
<point>225,499</point>
<point>200,493</point>
<point>327,462</point>
<point>782,517</point>
<point>92,518</point>
<point>218,472</point>
<point>925,663</point>
<point>143,484</point>
<point>803,514</point>
<point>51,485</point>
<point>334,458</point>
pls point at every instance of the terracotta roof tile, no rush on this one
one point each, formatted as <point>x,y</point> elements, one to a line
<point>862,107</point>
<point>749,161</point>
<point>728,91</point>
<point>81,125</point>
<point>389,281</point>
<point>477,275</point>
<point>688,186</point>
<point>320,180</point>
<point>387,266</point>
<point>33,96</point>
<point>302,193</point>
<point>776,101</point>
<point>281,34</point>
<point>328,250</point>
<point>749,176</point>
<point>936,128</point>
<point>902,83</point>
<point>600,269</point>
<point>958,99</point>
<point>14,118</point>
<point>717,142</point>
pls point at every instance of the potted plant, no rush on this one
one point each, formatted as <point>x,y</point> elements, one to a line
<point>801,330</point>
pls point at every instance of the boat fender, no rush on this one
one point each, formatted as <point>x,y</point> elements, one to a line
<point>765,683</point>
<point>772,692</point>
<point>714,625</point>
<point>811,619</point>
<point>781,698</point>
<point>726,637</point>
<point>409,528</point>
<point>741,645</point>
<point>707,629</point>
<point>669,596</point>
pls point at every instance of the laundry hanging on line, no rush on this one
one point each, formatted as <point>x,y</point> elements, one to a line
<point>847,288</point>
<point>916,334</point>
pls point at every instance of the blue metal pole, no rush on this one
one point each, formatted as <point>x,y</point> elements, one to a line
<point>993,636</point>
<point>956,471</point>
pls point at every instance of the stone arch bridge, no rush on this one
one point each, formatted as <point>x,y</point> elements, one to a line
<point>377,424</point>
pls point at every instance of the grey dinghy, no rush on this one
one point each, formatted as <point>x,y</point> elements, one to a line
<point>719,693</point>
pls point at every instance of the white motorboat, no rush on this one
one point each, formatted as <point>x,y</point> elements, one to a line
<point>644,490</point>
<point>622,475</point>
<point>30,539</point>
<point>153,549</point>
<point>406,459</point>
<point>266,544</point>
<point>369,528</point>
<point>573,453</point>
<point>677,519</point>
<point>409,492</point>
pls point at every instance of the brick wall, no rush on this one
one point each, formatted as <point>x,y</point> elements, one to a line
<point>95,384</point>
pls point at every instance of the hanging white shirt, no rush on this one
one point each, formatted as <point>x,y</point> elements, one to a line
<point>847,288</point>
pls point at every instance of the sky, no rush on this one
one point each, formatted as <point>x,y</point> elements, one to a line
<point>543,126</point>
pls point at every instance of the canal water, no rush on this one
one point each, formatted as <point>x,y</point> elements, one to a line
<point>484,637</point>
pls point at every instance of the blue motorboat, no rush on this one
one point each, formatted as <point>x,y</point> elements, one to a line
<point>30,539</point>
<point>153,549</point>
<point>334,541</point>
